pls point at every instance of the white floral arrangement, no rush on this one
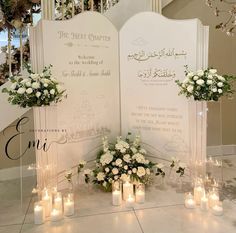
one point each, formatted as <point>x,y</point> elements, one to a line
<point>126,160</point>
<point>34,90</point>
<point>205,85</point>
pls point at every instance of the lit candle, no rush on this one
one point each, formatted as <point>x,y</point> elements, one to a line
<point>39,214</point>
<point>69,205</point>
<point>55,215</point>
<point>58,201</point>
<point>204,203</point>
<point>116,198</point>
<point>189,201</point>
<point>198,194</point>
<point>130,201</point>
<point>47,200</point>
<point>127,190</point>
<point>140,196</point>
<point>217,209</point>
<point>213,199</point>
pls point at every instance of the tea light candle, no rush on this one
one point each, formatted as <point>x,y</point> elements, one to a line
<point>55,215</point>
<point>127,190</point>
<point>217,210</point>
<point>58,201</point>
<point>140,196</point>
<point>204,203</point>
<point>39,214</point>
<point>130,201</point>
<point>198,194</point>
<point>116,198</point>
<point>47,200</point>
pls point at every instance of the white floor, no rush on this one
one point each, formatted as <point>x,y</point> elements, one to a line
<point>163,212</point>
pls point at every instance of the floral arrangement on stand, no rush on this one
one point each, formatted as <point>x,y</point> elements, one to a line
<point>206,85</point>
<point>34,90</point>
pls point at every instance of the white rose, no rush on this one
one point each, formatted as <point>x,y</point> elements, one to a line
<point>210,76</point>
<point>45,92</point>
<point>13,86</point>
<point>38,94</point>
<point>213,71</point>
<point>107,169</point>
<point>129,172</point>
<point>118,162</point>
<point>45,85</point>
<point>100,176</point>
<point>200,72</point>
<point>134,170</point>
<point>220,91</point>
<point>126,167</point>
<point>221,78</point>
<point>141,171</point>
<point>21,90</point>
<point>214,89</point>
<point>195,78</point>
<point>190,88</point>
<point>52,92</point>
<point>190,74</point>
<point>28,84</point>
<point>220,84</point>
<point>116,177</point>
<point>200,82</point>
<point>29,90</point>
<point>35,76</point>
<point>35,85</point>
<point>209,81</point>
<point>115,171</point>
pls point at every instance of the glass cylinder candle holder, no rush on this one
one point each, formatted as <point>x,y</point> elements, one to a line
<point>217,209</point>
<point>140,193</point>
<point>58,201</point>
<point>213,197</point>
<point>47,201</point>
<point>56,215</point>
<point>39,213</point>
<point>198,191</point>
<point>69,205</point>
<point>204,203</point>
<point>116,193</point>
<point>189,201</point>
<point>130,201</point>
<point>128,189</point>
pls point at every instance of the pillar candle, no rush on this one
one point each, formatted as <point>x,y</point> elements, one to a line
<point>140,196</point>
<point>56,215</point>
<point>127,190</point>
<point>204,203</point>
<point>130,201</point>
<point>39,214</point>
<point>198,194</point>
<point>116,198</point>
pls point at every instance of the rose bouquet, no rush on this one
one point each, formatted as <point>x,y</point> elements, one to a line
<point>34,90</point>
<point>205,85</point>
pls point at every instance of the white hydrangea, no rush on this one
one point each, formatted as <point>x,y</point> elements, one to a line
<point>35,85</point>
<point>127,158</point>
<point>21,90</point>
<point>106,158</point>
<point>141,171</point>
<point>100,176</point>
<point>115,171</point>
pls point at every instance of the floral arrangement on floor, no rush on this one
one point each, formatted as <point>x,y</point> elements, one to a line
<point>34,90</point>
<point>125,161</point>
<point>205,85</point>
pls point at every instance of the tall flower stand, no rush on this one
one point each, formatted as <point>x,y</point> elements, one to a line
<point>46,130</point>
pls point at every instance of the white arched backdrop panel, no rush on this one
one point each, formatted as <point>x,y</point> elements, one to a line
<point>91,61</point>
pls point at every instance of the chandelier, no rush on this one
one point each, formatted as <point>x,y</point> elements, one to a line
<point>225,8</point>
